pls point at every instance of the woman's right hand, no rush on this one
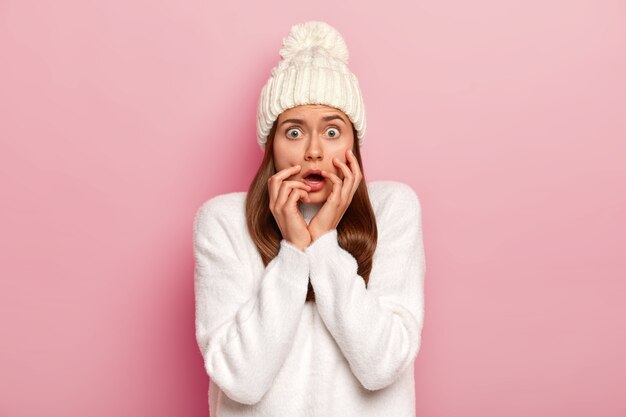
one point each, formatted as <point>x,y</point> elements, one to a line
<point>284,195</point>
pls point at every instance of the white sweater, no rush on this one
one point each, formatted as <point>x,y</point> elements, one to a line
<point>350,353</point>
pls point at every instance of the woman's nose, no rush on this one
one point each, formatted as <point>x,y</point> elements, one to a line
<point>314,150</point>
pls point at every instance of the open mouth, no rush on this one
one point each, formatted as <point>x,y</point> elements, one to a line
<point>314,178</point>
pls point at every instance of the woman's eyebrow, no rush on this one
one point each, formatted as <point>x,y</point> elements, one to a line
<point>332,117</point>
<point>326,119</point>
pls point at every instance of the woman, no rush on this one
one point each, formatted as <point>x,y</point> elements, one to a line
<point>309,287</point>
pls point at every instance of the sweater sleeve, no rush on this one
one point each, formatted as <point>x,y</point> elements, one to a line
<point>244,330</point>
<point>377,328</point>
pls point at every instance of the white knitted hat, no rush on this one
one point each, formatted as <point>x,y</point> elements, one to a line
<point>313,70</point>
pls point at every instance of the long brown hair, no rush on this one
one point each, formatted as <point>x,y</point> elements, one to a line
<point>356,232</point>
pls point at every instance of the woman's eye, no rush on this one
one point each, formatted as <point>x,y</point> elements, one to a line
<point>292,133</point>
<point>333,135</point>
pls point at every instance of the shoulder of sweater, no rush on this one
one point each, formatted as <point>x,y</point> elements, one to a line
<point>387,196</point>
<point>223,207</point>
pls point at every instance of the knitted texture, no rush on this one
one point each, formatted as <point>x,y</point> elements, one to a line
<point>313,70</point>
<point>350,353</point>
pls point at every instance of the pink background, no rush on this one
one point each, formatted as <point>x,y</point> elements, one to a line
<point>119,118</point>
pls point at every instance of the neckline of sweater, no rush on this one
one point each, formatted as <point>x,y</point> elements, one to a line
<point>309,209</point>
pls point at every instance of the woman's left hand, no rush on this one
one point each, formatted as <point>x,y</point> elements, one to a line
<point>329,215</point>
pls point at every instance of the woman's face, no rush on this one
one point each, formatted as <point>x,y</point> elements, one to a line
<point>311,136</point>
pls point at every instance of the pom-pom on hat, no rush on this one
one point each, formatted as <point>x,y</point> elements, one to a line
<point>313,70</point>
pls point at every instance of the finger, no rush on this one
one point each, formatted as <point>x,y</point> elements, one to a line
<point>296,195</point>
<point>285,190</point>
<point>353,163</point>
<point>337,184</point>
<point>273,182</point>
<point>347,173</point>
<point>348,179</point>
<point>356,169</point>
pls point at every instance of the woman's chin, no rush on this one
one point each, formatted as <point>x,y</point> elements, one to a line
<point>318,197</point>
